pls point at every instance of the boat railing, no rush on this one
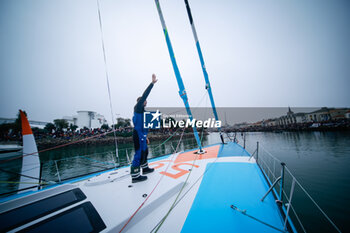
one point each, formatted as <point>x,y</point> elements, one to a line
<point>295,203</point>
<point>59,170</point>
<point>55,171</point>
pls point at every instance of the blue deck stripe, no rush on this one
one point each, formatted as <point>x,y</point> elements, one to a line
<point>241,184</point>
<point>232,149</point>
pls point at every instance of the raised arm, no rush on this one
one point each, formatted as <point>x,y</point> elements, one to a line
<point>147,91</point>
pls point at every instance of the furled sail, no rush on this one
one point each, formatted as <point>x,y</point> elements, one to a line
<point>30,164</point>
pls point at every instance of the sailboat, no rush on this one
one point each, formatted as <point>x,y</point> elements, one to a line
<point>7,151</point>
<point>216,188</point>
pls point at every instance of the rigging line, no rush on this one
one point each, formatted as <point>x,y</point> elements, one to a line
<point>189,189</point>
<point>107,78</point>
<point>172,113</point>
<point>197,107</point>
<point>55,147</point>
<point>15,173</point>
<point>315,203</point>
<point>165,140</point>
<point>62,145</point>
<point>103,134</point>
<point>133,215</point>
<point>159,224</point>
<point>194,111</point>
<point>205,114</point>
<point>96,161</point>
<point>31,169</point>
<point>244,212</point>
<point>178,144</point>
<point>103,153</point>
<point>200,101</point>
<point>178,195</point>
<point>303,189</point>
<point>18,190</point>
<point>16,182</point>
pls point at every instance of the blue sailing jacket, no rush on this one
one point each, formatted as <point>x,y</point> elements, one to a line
<point>139,110</point>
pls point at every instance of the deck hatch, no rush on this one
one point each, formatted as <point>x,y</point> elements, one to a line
<point>82,218</point>
<point>27,213</point>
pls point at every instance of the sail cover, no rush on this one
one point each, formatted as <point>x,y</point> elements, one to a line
<point>30,163</point>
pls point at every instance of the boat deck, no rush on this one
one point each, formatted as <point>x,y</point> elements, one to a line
<point>202,189</point>
<point>222,176</point>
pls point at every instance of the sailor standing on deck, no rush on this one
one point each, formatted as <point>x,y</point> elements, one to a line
<point>140,138</point>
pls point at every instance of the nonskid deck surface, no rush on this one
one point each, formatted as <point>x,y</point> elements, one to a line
<point>204,186</point>
<point>238,184</point>
<point>216,181</point>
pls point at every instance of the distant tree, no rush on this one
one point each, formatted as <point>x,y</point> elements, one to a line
<point>37,131</point>
<point>60,124</point>
<point>127,123</point>
<point>49,127</point>
<point>105,126</point>
<point>73,127</point>
<point>5,129</point>
<point>123,122</point>
<point>17,125</point>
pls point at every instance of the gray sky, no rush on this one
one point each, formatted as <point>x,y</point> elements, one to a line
<point>258,54</point>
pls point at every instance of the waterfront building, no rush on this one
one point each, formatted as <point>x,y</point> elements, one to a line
<point>292,118</point>
<point>270,122</point>
<point>72,120</point>
<point>240,125</point>
<point>32,123</point>
<point>338,113</point>
<point>300,118</point>
<point>88,119</point>
<point>347,114</point>
<point>288,119</point>
<point>320,115</point>
<point>7,120</point>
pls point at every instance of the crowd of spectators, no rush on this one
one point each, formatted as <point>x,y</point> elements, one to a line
<point>67,134</point>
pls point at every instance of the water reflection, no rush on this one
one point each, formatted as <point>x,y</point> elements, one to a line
<point>68,162</point>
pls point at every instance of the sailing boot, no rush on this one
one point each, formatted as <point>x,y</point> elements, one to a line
<point>136,175</point>
<point>146,169</point>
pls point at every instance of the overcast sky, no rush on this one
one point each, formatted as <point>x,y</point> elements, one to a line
<point>258,53</point>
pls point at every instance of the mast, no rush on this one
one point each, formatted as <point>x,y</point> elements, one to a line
<point>206,77</point>
<point>182,90</point>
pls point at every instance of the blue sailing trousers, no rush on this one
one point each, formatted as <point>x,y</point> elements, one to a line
<point>140,133</point>
<point>141,149</point>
